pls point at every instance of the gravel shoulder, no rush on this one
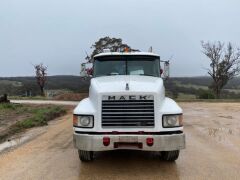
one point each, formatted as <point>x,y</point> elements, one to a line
<point>213,148</point>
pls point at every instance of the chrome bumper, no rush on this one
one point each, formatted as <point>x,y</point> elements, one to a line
<point>88,142</point>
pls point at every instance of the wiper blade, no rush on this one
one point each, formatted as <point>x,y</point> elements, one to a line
<point>146,75</point>
<point>113,74</point>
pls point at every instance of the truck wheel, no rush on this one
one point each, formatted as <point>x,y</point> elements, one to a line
<point>169,155</point>
<point>85,156</point>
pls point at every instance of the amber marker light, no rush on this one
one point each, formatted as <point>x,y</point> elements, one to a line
<point>75,120</point>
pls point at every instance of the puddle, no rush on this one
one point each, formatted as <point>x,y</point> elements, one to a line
<point>226,117</point>
<point>220,133</point>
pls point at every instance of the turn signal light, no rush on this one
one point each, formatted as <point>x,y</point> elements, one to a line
<point>106,141</point>
<point>75,120</point>
<point>149,141</point>
<point>181,120</point>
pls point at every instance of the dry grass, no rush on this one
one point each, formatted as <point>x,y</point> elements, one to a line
<point>71,96</point>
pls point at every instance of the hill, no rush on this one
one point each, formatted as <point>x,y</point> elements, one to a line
<point>175,86</point>
<point>20,85</point>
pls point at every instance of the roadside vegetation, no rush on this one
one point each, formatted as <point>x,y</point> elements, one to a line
<point>76,88</point>
<point>222,82</point>
<point>15,118</point>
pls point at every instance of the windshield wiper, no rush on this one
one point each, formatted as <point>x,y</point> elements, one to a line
<point>146,75</point>
<point>113,74</point>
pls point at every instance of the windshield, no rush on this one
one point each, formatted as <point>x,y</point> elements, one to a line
<point>127,65</point>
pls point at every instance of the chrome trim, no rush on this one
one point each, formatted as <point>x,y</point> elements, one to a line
<point>123,111</point>
<point>89,142</point>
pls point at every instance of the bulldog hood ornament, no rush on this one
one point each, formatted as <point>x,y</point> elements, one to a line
<point>127,87</point>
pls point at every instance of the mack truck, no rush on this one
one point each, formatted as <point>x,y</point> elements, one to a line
<point>127,108</point>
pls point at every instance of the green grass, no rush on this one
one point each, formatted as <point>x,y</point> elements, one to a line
<point>37,116</point>
<point>9,106</point>
<point>237,91</point>
<point>186,96</point>
<point>13,83</point>
<point>179,84</point>
<point>28,98</point>
<point>41,117</point>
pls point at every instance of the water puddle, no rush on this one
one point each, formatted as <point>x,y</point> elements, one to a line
<point>226,117</point>
<point>220,133</point>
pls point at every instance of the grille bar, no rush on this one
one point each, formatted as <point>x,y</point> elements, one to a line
<point>127,113</point>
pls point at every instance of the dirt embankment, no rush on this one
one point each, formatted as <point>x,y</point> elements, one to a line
<point>15,118</point>
<point>71,96</point>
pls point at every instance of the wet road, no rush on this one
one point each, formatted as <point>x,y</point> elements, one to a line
<point>213,152</point>
<point>71,103</point>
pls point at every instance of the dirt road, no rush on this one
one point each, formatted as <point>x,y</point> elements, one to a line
<point>71,103</point>
<point>213,152</point>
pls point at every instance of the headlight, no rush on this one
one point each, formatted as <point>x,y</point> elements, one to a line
<point>84,121</point>
<point>173,120</point>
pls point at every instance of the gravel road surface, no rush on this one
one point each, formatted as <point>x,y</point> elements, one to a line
<point>73,103</point>
<point>213,152</point>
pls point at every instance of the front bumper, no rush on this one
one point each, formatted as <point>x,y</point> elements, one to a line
<point>90,142</point>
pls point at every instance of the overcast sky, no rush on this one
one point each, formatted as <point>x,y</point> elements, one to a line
<point>58,32</point>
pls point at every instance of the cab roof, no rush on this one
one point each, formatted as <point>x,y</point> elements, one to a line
<point>126,54</point>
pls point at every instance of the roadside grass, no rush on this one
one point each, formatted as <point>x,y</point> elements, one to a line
<point>9,106</point>
<point>189,85</point>
<point>36,116</point>
<point>186,96</point>
<point>40,117</point>
<point>69,96</point>
<point>28,98</point>
<point>182,97</point>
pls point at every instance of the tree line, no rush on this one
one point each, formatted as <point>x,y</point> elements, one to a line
<point>224,63</point>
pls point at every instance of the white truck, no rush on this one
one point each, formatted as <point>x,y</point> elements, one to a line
<point>127,108</point>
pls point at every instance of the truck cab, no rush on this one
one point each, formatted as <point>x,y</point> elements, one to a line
<point>127,109</point>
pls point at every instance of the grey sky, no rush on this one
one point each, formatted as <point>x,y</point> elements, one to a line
<point>57,32</point>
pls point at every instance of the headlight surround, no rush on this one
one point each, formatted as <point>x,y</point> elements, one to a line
<point>83,121</point>
<point>172,120</point>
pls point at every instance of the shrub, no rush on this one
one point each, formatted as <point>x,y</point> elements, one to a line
<point>205,94</point>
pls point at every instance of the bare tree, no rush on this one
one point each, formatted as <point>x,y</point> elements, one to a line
<point>225,64</point>
<point>41,76</point>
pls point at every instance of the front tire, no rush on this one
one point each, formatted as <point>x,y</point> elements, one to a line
<point>169,155</point>
<point>85,156</point>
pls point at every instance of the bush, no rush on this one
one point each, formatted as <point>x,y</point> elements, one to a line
<point>205,94</point>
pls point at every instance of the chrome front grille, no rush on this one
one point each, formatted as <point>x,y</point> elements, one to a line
<point>128,113</point>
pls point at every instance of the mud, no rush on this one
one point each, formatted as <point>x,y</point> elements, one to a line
<point>213,152</point>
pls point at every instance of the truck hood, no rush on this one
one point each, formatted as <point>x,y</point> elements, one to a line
<point>135,83</point>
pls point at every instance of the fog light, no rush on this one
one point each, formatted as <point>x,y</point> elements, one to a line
<point>150,141</point>
<point>106,141</point>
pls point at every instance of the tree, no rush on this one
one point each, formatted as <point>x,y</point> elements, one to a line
<point>114,44</point>
<point>224,64</point>
<point>41,76</point>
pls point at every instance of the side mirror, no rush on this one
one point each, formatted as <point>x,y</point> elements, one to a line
<point>86,70</point>
<point>164,73</point>
<point>166,70</point>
